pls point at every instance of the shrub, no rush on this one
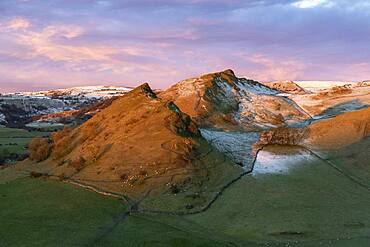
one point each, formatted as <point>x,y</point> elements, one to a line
<point>39,149</point>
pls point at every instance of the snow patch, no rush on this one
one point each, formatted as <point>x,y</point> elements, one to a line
<point>2,118</point>
<point>274,163</point>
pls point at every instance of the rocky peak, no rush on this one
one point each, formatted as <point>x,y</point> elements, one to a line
<point>181,123</point>
<point>145,90</point>
<point>223,100</point>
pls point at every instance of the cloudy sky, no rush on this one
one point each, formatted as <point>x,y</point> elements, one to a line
<point>62,43</point>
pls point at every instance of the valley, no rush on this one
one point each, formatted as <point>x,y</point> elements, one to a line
<point>214,160</point>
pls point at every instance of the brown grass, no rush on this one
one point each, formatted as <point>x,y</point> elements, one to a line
<point>340,131</point>
<point>62,142</point>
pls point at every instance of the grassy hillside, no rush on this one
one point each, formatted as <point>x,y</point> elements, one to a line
<point>40,212</point>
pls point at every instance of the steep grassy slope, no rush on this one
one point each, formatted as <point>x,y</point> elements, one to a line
<point>141,145</point>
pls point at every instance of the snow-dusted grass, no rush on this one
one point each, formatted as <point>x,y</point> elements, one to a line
<point>236,145</point>
<point>247,86</point>
<point>269,162</point>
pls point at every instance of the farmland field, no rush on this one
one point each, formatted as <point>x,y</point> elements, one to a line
<point>13,143</point>
<point>311,205</point>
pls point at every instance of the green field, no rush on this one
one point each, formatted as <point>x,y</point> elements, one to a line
<point>37,212</point>
<point>313,205</point>
<point>41,212</point>
<point>354,160</point>
<point>13,142</point>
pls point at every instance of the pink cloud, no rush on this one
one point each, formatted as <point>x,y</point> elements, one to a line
<point>266,68</point>
<point>18,23</point>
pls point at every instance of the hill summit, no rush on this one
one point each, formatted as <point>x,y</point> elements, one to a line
<point>225,101</point>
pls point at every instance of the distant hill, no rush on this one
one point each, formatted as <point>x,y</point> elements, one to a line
<point>20,109</point>
<point>287,87</point>
<point>86,91</point>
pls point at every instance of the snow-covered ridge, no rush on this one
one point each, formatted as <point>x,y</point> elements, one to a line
<point>87,91</point>
<point>315,86</point>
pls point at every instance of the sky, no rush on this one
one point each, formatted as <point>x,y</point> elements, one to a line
<point>65,43</point>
